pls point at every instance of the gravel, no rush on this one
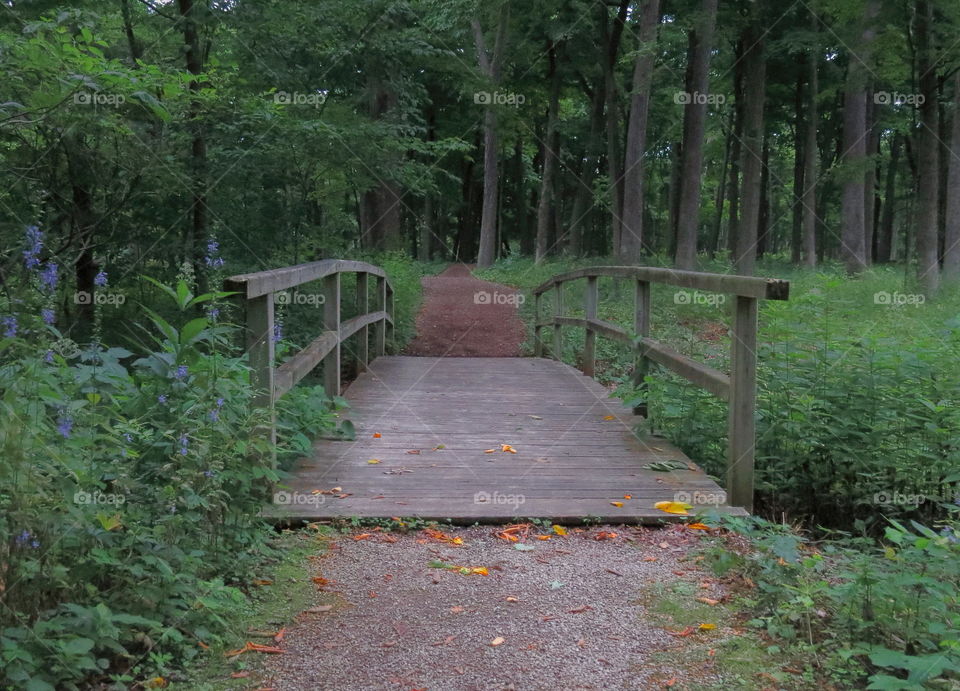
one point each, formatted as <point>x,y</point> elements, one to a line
<point>398,623</point>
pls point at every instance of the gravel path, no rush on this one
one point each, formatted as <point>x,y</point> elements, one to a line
<point>565,614</point>
<point>463,316</point>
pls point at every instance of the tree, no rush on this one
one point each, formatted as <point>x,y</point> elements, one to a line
<point>951,249</point>
<point>694,127</point>
<point>928,154</point>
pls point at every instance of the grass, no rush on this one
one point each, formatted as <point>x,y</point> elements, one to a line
<point>269,608</point>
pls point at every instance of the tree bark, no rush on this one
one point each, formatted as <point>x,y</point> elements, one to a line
<point>694,127</point>
<point>631,235</point>
<point>733,193</point>
<point>951,249</point>
<point>545,208</point>
<point>799,132</point>
<point>754,92</point>
<point>614,163</point>
<point>928,155</point>
<point>810,158</point>
<point>490,67</point>
<point>198,144</point>
<point>885,236</point>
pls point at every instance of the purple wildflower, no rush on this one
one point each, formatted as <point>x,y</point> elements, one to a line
<point>23,537</point>
<point>184,443</point>
<point>48,357</point>
<point>48,316</point>
<point>65,426</point>
<point>213,313</point>
<point>277,332</point>
<point>209,473</point>
<point>214,415</point>
<point>100,280</point>
<point>9,326</point>
<point>212,259</point>
<point>31,255</point>
<point>162,398</point>
<point>49,276</point>
<point>128,436</point>
<point>180,373</point>
<point>220,402</point>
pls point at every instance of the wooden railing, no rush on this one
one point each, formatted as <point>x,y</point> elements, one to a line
<point>261,291</point>
<point>739,388</point>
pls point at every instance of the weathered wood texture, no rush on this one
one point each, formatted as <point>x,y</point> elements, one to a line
<point>571,462</point>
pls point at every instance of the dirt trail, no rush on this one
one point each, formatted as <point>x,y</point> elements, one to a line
<point>463,316</point>
<point>567,612</point>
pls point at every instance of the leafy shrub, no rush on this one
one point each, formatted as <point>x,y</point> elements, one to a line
<point>883,613</point>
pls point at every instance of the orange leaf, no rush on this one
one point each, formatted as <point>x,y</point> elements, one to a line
<point>627,496</point>
<point>609,417</point>
<point>544,537</point>
<point>280,634</point>
<point>262,581</point>
<point>698,526</point>
<point>376,435</point>
<point>480,571</point>
<point>559,530</point>
<point>489,450</point>
<point>203,645</point>
<point>708,601</point>
<point>362,536</point>
<point>605,535</point>
<point>618,504</point>
<point>415,452</point>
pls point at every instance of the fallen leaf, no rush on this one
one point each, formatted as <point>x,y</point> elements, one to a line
<point>414,452</point>
<point>513,599</point>
<point>319,609</point>
<point>698,526</point>
<point>649,558</point>
<point>682,634</point>
<point>376,435</point>
<point>627,496</point>
<point>362,536</point>
<point>262,581</point>
<point>438,447</point>
<point>604,535</point>
<point>609,417</point>
<point>280,634</point>
<point>675,507</point>
<point>559,530</point>
<point>373,461</point>
<point>320,581</point>
<point>544,537</point>
<point>489,450</point>
<point>506,448</point>
<point>707,627</point>
<point>457,610</point>
<point>240,675</point>
<point>708,601</point>
<point>580,610</point>
<point>618,504</point>
<point>155,683</point>
<point>496,641</point>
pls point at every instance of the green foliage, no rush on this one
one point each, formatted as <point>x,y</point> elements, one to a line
<point>884,613</point>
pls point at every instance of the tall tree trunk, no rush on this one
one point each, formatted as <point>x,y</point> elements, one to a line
<point>490,67</point>
<point>733,194</point>
<point>799,131</point>
<point>870,180</point>
<point>808,200</point>
<point>694,127</point>
<point>631,237</point>
<point>853,212</point>
<point>928,155</point>
<point>545,208</point>
<point>198,145</point>
<point>763,218</point>
<point>714,243</point>
<point>582,214</point>
<point>754,92</point>
<point>614,164</point>
<point>885,236</point>
<point>951,249</point>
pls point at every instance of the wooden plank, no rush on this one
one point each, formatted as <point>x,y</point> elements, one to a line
<point>557,330</point>
<point>301,364</point>
<point>380,329</point>
<point>747,286</point>
<point>355,324</point>
<point>331,322</point>
<point>537,326</point>
<point>743,399</point>
<point>254,285</point>
<point>590,298</point>
<point>260,346</point>
<point>363,308</point>
<point>713,380</point>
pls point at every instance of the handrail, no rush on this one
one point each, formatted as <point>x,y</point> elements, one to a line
<point>739,388</point>
<point>260,291</point>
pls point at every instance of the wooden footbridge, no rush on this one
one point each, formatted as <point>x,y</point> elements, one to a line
<point>494,439</point>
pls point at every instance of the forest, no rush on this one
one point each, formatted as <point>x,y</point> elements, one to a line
<point>152,149</point>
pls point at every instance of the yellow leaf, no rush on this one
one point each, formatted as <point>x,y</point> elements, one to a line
<point>457,541</point>
<point>480,571</point>
<point>489,450</point>
<point>559,530</point>
<point>506,448</point>
<point>698,526</point>
<point>707,627</point>
<point>497,641</point>
<point>609,417</point>
<point>373,461</point>
<point>618,504</point>
<point>677,507</point>
<point>155,683</point>
<point>627,496</point>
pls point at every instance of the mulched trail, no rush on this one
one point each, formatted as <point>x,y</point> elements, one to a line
<point>562,613</point>
<point>463,316</point>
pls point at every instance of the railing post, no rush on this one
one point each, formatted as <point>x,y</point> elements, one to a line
<point>260,346</point>
<point>537,341</point>
<point>331,322</point>
<point>590,342</point>
<point>743,399</point>
<point>641,327</point>
<point>391,310</point>
<point>557,329</point>
<point>380,328</point>
<point>363,336</point>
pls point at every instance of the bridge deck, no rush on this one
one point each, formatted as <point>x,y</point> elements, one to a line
<point>436,417</point>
